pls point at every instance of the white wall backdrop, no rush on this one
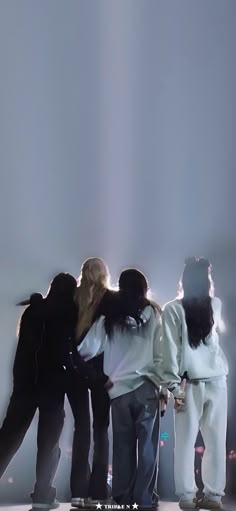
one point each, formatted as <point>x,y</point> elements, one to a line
<point>117,138</point>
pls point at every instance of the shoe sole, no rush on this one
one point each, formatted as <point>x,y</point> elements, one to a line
<point>44,506</point>
<point>209,508</point>
<point>188,507</point>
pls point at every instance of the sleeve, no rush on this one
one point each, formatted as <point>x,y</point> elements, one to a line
<point>157,347</point>
<point>171,351</point>
<point>220,324</point>
<point>94,342</point>
<point>153,370</point>
<point>24,357</point>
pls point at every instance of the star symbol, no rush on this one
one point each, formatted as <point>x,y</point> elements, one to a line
<point>135,506</point>
<point>98,506</point>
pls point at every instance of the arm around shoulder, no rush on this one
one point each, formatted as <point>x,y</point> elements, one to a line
<point>94,342</point>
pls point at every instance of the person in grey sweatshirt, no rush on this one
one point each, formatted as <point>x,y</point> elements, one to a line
<point>129,336</point>
<point>191,325</point>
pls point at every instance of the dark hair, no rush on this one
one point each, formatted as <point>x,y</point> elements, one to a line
<point>197,287</point>
<point>58,303</point>
<point>63,286</point>
<point>134,283</point>
<point>130,300</point>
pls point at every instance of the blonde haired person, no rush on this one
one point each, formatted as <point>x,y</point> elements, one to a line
<point>94,280</point>
<point>92,298</point>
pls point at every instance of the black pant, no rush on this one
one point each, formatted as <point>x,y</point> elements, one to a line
<point>49,399</point>
<point>84,482</point>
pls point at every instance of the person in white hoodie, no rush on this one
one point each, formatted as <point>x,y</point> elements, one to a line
<point>129,336</point>
<point>191,352</point>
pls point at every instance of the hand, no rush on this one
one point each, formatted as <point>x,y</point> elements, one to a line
<point>179,403</point>
<point>180,399</point>
<point>108,384</point>
<point>162,406</point>
<point>165,396</point>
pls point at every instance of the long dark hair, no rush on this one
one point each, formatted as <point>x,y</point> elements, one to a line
<point>62,287</point>
<point>59,300</point>
<point>197,288</point>
<point>130,300</point>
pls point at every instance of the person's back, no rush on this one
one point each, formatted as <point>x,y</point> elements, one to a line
<point>58,328</point>
<point>39,383</point>
<point>193,357</point>
<point>129,353</point>
<point>45,329</point>
<point>208,360</point>
<point>92,298</point>
<point>129,336</point>
<point>30,332</point>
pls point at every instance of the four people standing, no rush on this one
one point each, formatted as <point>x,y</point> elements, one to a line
<point>119,347</point>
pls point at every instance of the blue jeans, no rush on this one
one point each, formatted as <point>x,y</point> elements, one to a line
<point>135,423</point>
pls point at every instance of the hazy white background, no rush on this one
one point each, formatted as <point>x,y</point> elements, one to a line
<point>117,139</point>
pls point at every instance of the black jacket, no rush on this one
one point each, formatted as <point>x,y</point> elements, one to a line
<point>44,334</point>
<point>46,344</point>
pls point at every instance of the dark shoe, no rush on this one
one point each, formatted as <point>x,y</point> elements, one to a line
<point>207,503</point>
<point>80,502</point>
<point>99,503</point>
<point>44,505</point>
<point>155,500</point>
<point>188,504</point>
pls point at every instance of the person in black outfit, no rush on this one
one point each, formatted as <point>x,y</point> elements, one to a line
<point>39,382</point>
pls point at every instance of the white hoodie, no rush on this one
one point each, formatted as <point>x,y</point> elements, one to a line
<point>131,355</point>
<point>207,362</point>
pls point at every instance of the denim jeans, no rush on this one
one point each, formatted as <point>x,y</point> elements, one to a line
<point>135,423</point>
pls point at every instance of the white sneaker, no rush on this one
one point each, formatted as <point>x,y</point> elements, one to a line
<point>39,505</point>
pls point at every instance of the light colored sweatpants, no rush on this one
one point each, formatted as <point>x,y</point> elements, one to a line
<point>205,409</point>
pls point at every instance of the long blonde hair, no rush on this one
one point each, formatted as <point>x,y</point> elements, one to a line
<point>94,280</point>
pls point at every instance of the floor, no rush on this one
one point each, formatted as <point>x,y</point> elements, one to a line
<point>164,506</point>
